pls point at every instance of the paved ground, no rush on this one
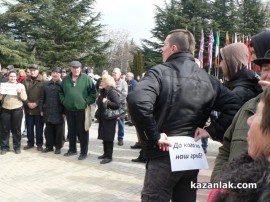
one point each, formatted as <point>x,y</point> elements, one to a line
<point>33,176</point>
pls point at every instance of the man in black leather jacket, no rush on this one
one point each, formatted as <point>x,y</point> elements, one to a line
<point>174,99</point>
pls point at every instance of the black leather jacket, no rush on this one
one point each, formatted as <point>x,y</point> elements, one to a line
<point>177,97</point>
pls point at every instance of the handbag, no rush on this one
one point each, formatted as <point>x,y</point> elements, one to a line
<point>110,114</point>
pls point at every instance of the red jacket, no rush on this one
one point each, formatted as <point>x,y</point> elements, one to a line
<point>21,78</point>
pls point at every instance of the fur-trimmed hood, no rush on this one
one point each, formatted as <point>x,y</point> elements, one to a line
<point>246,170</point>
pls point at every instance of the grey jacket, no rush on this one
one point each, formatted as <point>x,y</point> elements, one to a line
<point>122,88</point>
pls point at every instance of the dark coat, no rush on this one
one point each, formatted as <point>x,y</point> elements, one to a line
<point>244,84</point>
<point>177,97</point>
<point>106,128</point>
<point>246,170</point>
<point>50,103</point>
<point>131,85</point>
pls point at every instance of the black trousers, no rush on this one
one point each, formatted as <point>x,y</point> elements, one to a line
<point>11,122</point>
<point>108,149</point>
<point>75,122</point>
<point>54,134</point>
<point>162,185</point>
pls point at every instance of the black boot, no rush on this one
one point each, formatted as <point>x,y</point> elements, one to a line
<point>140,158</point>
<point>104,151</point>
<point>109,149</point>
<point>108,152</point>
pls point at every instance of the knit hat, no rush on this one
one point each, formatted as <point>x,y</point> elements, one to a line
<point>260,43</point>
<point>235,56</point>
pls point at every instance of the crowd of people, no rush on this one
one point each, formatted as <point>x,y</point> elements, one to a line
<point>172,99</point>
<point>50,101</point>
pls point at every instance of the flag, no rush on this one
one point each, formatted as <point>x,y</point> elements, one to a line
<point>227,39</point>
<point>201,50</point>
<point>235,38</point>
<point>210,50</point>
<point>249,52</point>
<point>217,51</point>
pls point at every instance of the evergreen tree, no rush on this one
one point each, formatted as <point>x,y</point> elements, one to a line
<point>252,12</point>
<point>233,16</point>
<point>57,31</point>
<point>192,15</point>
<point>137,67</point>
<point>13,52</point>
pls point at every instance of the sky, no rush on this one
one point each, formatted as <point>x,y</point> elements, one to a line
<point>135,17</point>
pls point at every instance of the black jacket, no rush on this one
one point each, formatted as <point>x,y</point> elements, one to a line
<point>50,103</point>
<point>176,98</point>
<point>106,128</point>
<point>244,84</point>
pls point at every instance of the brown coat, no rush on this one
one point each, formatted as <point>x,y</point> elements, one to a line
<point>33,91</point>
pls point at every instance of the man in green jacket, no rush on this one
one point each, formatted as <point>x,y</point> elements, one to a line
<point>77,91</point>
<point>235,138</point>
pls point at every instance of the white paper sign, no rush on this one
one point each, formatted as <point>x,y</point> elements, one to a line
<point>9,89</point>
<point>186,154</point>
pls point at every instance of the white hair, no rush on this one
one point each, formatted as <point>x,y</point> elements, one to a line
<point>131,74</point>
<point>117,70</point>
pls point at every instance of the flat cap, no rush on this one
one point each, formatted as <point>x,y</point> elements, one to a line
<point>75,64</point>
<point>56,69</point>
<point>10,67</point>
<point>33,66</point>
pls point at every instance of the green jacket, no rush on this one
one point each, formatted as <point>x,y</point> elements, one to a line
<point>76,96</point>
<point>33,91</point>
<point>235,137</point>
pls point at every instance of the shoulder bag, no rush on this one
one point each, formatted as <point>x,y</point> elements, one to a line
<point>110,114</point>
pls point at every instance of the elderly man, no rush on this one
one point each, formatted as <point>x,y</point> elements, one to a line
<point>76,93</point>
<point>34,85</point>
<point>122,88</point>
<point>235,138</point>
<point>52,111</point>
<point>173,99</point>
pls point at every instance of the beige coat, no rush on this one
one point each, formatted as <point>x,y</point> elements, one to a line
<point>14,101</point>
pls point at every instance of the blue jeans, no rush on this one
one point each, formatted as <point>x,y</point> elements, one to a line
<point>37,122</point>
<point>205,143</point>
<point>121,125</point>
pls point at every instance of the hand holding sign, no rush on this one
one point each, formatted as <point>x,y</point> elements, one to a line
<point>19,90</point>
<point>163,142</point>
<point>200,133</point>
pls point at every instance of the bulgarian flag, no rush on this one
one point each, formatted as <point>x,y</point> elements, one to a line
<point>210,50</point>
<point>201,50</point>
<point>227,39</point>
